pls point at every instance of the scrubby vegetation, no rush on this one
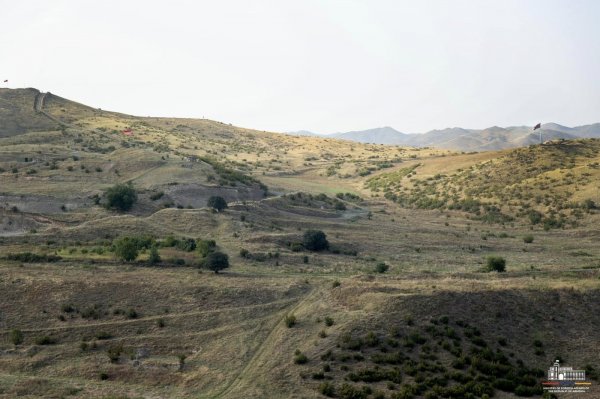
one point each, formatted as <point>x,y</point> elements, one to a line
<point>440,359</point>
<point>521,184</point>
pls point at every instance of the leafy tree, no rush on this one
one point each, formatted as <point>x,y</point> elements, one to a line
<point>496,263</point>
<point>315,240</point>
<point>154,256</point>
<point>126,248</point>
<point>121,197</point>
<point>216,261</point>
<point>217,203</point>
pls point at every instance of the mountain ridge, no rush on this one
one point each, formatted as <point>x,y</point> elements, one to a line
<point>463,139</point>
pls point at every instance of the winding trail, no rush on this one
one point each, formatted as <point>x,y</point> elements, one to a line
<point>260,350</point>
<point>283,303</point>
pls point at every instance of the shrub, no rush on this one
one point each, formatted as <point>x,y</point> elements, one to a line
<point>528,239</point>
<point>102,335</point>
<point>186,244</point>
<point>335,284</point>
<point>217,203</point>
<point>157,196</point>
<point>45,340</point>
<point>179,262</point>
<point>28,257</point>
<point>114,353</point>
<point>216,261</point>
<point>244,253</point>
<point>327,389</point>
<point>315,240</point>
<point>300,358</point>
<point>126,248</point>
<point>496,263</point>
<point>290,321</point>
<point>347,391</point>
<point>16,337</point>
<point>154,256</point>
<point>121,197</point>
<point>132,314</point>
<point>205,247</point>
<point>381,267</point>
<point>328,321</point>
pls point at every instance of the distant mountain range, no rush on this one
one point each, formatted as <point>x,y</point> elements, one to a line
<point>456,138</point>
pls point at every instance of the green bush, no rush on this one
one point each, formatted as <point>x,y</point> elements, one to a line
<point>121,197</point>
<point>327,389</point>
<point>186,244</point>
<point>16,337</point>
<point>528,239</point>
<point>45,340</point>
<point>126,248</point>
<point>29,257</point>
<point>205,247</point>
<point>114,353</point>
<point>290,320</point>
<point>347,391</point>
<point>154,256</point>
<point>315,240</point>
<point>216,261</point>
<point>496,263</point>
<point>217,203</point>
<point>329,321</point>
<point>300,358</point>
<point>381,267</point>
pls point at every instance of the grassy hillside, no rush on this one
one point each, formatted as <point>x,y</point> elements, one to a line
<point>399,304</point>
<point>554,185</point>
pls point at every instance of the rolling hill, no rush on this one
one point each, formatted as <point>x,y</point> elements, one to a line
<point>399,303</point>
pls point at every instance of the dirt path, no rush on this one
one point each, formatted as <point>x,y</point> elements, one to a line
<point>38,104</point>
<point>153,318</point>
<point>258,353</point>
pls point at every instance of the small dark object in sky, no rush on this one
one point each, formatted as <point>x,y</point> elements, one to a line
<point>536,127</point>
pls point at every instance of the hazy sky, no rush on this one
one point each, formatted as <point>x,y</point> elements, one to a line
<point>324,66</point>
